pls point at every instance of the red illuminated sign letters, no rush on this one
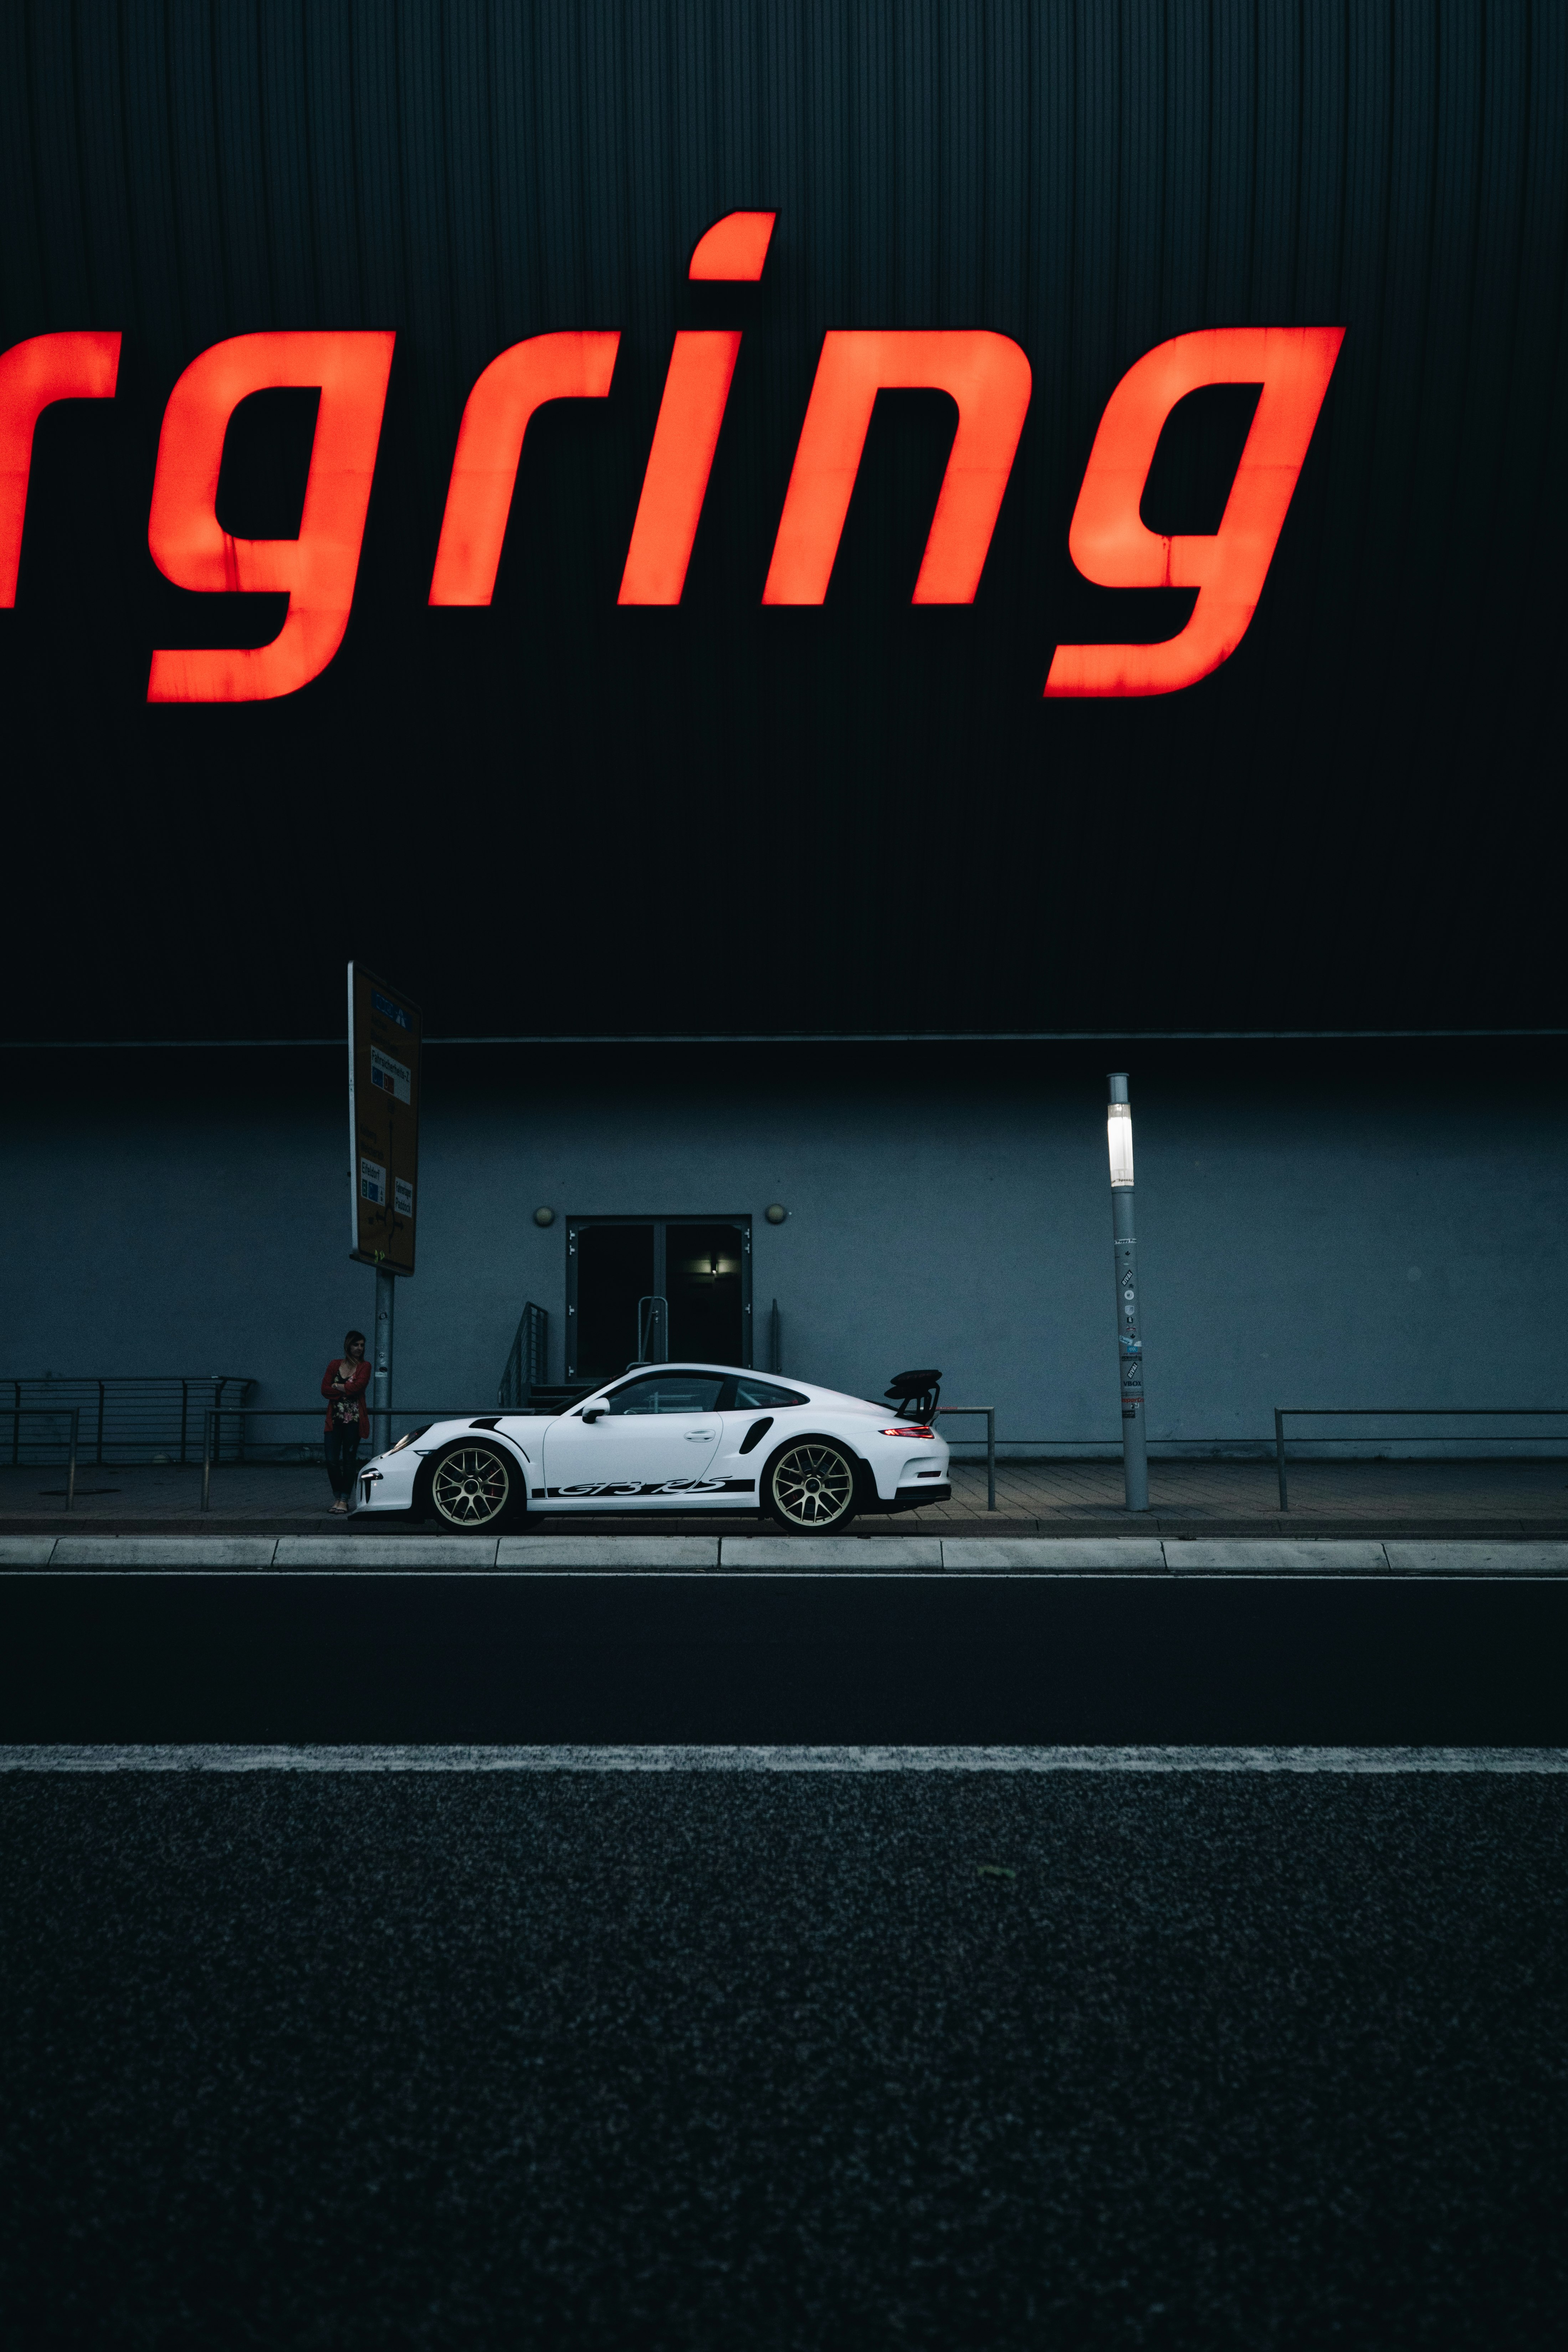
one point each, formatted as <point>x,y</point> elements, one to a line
<point>317,570</point>
<point>1109,544</point>
<point>489,443</point>
<point>989,378</point>
<point>986,375</point>
<point>34,374</point>
<point>679,465</point>
<point>734,248</point>
<point>696,390</point>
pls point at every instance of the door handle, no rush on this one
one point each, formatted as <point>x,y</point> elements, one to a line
<point>700,1436</point>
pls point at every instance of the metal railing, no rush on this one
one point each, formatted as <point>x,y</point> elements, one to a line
<point>72,1412</point>
<point>526,1365</point>
<point>421,1415</point>
<point>653,1330</point>
<point>124,1420</point>
<point>990,1412</point>
<point>1283,1412</point>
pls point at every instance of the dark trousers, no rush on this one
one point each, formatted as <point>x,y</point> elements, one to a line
<point>342,1454</point>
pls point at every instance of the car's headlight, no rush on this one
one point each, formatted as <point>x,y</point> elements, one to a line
<point>406,1439</point>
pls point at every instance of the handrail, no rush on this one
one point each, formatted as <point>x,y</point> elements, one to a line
<point>1395,1413</point>
<point>21,1413</point>
<point>212,1414</point>
<point>990,1412</point>
<point>652,1329</point>
<point>525,1364</point>
<point>136,1418</point>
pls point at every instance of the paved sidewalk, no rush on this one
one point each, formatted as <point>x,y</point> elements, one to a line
<point>1522,1490</point>
<point>1521,1496</point>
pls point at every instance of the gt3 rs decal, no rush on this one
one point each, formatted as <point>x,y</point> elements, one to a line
<point>655,1486</point>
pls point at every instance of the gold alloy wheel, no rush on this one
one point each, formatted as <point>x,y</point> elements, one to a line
<point>813,1486</point>
<point>471,1486</point>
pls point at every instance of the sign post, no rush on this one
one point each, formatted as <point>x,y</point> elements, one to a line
<point>1129,1341</point>
<point>384,1035</point>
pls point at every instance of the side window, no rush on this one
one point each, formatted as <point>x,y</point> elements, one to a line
<point>637,1396</point>
<point>668,1392</point>
<point>753,1395</point>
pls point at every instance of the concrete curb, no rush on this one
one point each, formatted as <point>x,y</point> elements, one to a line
<point>1332,1556</point>
<point>668,1555</point>
<point>780,1555</point>
<point>159,1551</point>
<point>1073,1555</point>
<point>391,1551</point>
<point>1462,1558</point>
<point>810,1555</point>
<point>1105,1527</point>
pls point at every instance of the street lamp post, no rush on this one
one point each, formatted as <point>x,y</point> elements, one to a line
<point>1124,1250</point>
<point>381,1360</point>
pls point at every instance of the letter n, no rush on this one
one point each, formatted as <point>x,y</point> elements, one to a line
<point>987,374</point>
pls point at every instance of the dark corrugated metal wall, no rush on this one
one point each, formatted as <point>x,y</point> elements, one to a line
<point>860,817</point>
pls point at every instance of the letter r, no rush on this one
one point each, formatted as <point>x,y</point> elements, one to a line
<point>80,365</point>
<point>1109,543</point>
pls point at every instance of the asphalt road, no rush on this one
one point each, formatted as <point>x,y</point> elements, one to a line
<point>827,2060</point>
<point>836,1658</point>
<point>813,2064</point>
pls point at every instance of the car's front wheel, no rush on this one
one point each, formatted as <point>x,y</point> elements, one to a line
<point>809,1488</point>
<point>474,1489</point>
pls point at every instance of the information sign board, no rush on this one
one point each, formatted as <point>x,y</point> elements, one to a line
<point>383,1121</point>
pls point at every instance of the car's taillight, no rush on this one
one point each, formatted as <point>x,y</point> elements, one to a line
<point>908,1429</point>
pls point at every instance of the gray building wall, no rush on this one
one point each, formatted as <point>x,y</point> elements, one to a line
<point>1314,1225</point>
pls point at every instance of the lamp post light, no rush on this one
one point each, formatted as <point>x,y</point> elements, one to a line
<point>1124,1250</point>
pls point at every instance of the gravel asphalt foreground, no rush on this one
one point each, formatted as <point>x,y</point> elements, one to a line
<point>833,2059</point>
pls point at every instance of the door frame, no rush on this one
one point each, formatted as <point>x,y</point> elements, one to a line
<point>660,1223</point>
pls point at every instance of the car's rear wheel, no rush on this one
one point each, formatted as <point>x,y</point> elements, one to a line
<point>474,1489</point>
<point>809,1486</point>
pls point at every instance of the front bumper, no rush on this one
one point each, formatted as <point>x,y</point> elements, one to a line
<point>385,1484</point>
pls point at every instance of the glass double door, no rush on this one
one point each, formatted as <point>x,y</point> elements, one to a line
<point>656,1290</point>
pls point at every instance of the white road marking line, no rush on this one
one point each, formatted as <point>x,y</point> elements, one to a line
<point>953,1579</point>
<point>239,1759</point>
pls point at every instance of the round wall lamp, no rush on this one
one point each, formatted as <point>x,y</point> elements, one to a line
<point>544,1216</point>
<point>777,1215</point>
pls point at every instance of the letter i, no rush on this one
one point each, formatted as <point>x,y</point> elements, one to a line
<point>687,434</point>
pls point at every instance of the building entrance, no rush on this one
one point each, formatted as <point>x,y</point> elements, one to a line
<point>654,1290</point>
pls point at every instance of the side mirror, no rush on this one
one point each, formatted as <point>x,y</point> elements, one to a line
<point>595,1412</point>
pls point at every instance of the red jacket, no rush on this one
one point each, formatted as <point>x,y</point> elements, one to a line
<point>351,1390</point>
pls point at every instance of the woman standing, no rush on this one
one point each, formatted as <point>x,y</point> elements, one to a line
<point>343,1384</point>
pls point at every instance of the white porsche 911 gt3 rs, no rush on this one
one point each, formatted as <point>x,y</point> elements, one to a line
<point>663,1437</point>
